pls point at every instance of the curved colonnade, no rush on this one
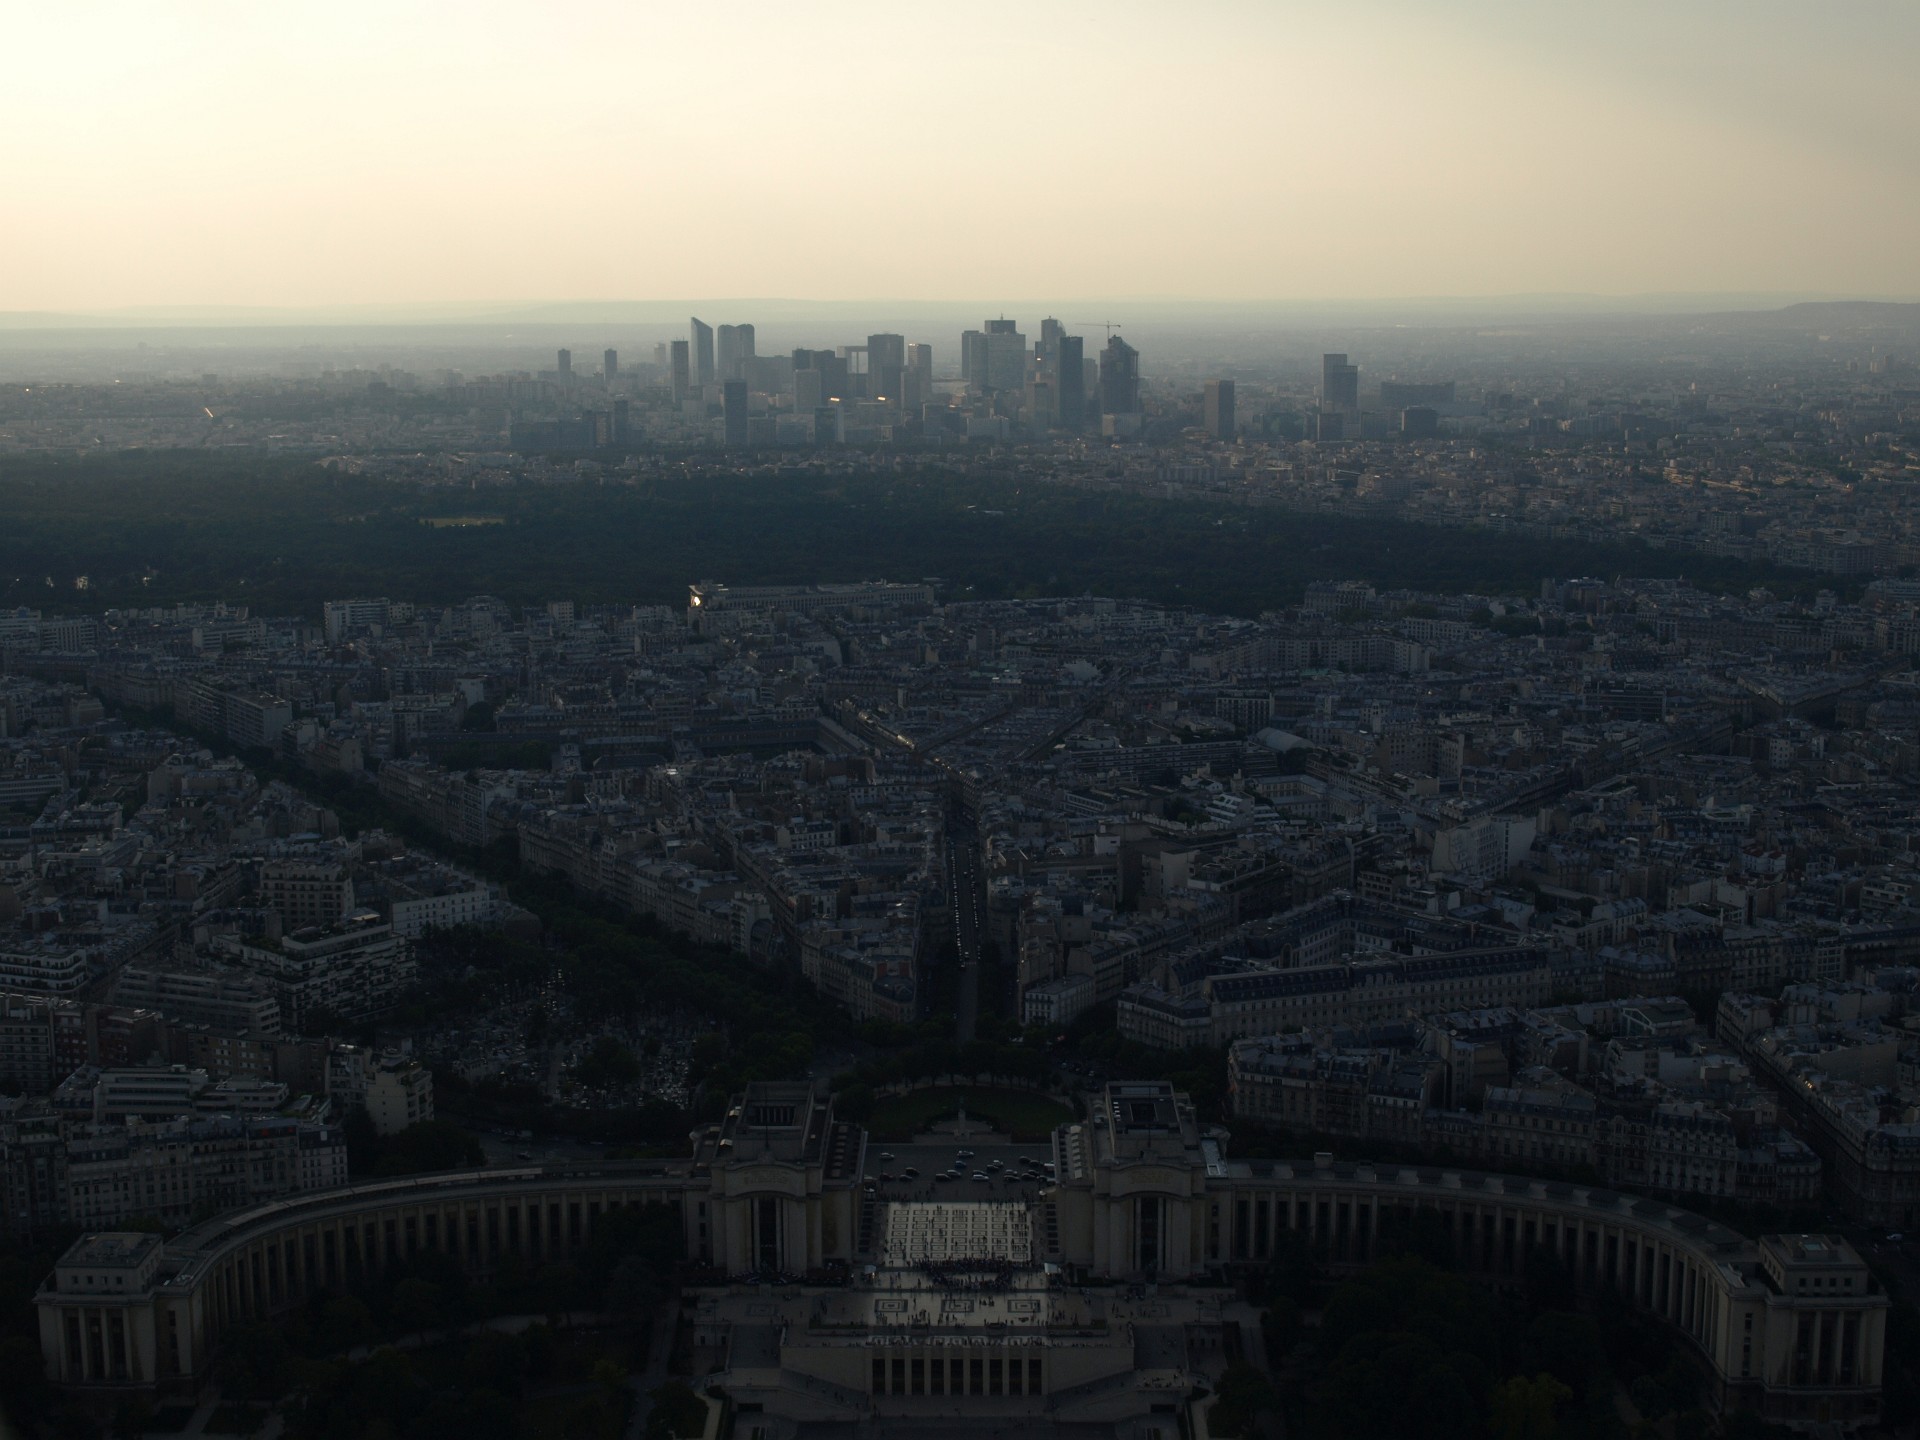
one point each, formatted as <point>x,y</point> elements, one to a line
<point>1792,1326</point>
<point>266,1259</point>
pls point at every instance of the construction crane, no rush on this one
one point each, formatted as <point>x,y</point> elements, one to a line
<point>1108,325</point>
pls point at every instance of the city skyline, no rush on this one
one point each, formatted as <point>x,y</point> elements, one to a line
<point>1088,721</point>
<point>398,157</point>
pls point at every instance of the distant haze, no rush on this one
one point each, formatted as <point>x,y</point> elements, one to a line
<point>487,155</point>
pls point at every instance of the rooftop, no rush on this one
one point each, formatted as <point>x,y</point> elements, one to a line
<point>112,1249</point>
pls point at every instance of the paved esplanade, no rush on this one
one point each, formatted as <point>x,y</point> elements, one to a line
<point>950,1234</point>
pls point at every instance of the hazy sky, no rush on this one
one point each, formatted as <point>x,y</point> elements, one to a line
<point>340,153</point>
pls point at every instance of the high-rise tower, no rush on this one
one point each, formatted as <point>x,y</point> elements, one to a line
<point>1339,385</point>
<point>1119,378</point>
<point>680,367</point>
<point>999,360</point>
<point>973,357</point>
<point>734,407</point>
<point>736,352</point>
<point>700,337</point>
<point>1050,332</point>
<point>1070,382</point>
<point>1219,409</point>
<point>886,360</point>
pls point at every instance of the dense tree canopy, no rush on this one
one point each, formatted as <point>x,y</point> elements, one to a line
<point>1411,1348</point>
<point>282,534</point>
<point>428,1145</point>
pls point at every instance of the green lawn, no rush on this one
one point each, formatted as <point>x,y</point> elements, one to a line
<point>1025,1114</point>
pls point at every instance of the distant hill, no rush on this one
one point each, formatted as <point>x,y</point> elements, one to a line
<point>1832,315</point>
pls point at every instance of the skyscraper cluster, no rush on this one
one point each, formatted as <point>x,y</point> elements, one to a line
<point>1047,386</point>
<point>716,381</point>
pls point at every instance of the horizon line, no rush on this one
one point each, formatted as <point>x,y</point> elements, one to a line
<point>1752,298</point>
